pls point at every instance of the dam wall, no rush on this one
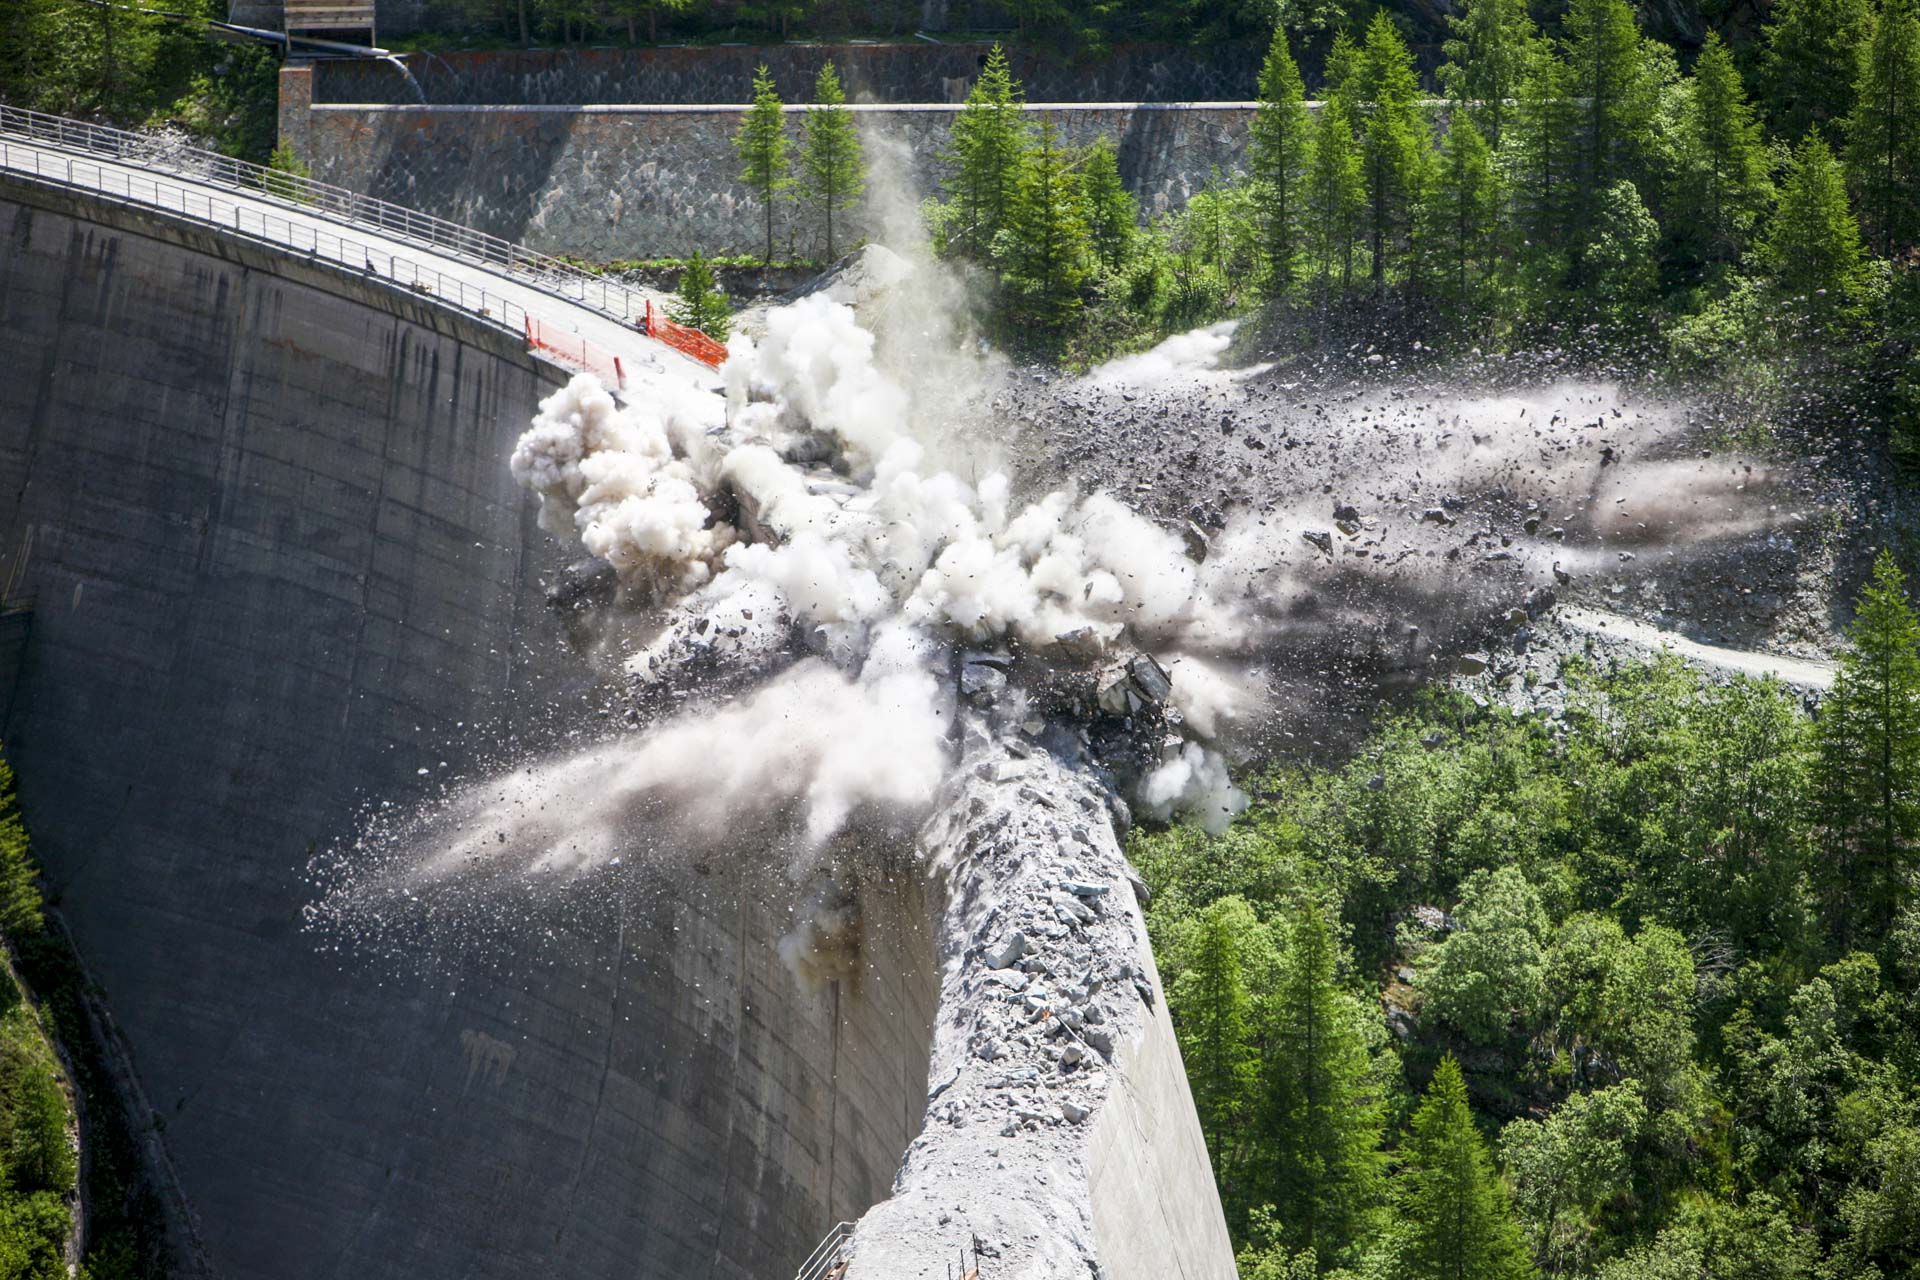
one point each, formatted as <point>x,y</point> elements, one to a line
<point>280,572</point>
<point>605,182</point>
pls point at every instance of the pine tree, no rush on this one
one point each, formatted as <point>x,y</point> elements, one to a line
<point>832,169</point>
<point>989,137</point>
<point>1046,247</point>
<point>1215,1024</point>
<point>1278,142</point>
<point>1336,195</point>
<point>1869,761</point>
<point>1343,73</point>
<point>761,145</point>
<point>1813,62</point>
<point>1621,270</point>
<point>40,1151</point>
<point>1726,158</point>
<point>20,909</point>
<point>1459,1223</point>
<point>1813,246</point>
<point>1609,76</point>
<point>1883,133</point>
<point>1462,219</point>
<point>1112,214</point>
<point>1487,60</point>
<point>1394,142</point>
<point>700,303</point>
<point>1322,1129</point>
<point>1542,154</point>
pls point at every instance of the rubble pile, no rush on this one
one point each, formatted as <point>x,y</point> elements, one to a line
<point>1046,982</point>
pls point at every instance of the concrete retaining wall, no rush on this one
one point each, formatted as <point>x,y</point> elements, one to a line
<point>279,569</point>
<point>608,182</point>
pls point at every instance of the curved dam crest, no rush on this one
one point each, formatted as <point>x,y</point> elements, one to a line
<point>279,567</point>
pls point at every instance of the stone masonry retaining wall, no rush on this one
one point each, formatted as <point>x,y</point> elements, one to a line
<point>690,76</point>
<point>607,182</point>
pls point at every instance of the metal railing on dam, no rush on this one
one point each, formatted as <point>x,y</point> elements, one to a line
<point>542,271</point>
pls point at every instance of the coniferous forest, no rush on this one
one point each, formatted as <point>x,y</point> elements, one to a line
<point>1629,992</point>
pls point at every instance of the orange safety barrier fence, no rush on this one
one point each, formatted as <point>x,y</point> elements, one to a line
<point>689,342</point>
<point>571,348</point>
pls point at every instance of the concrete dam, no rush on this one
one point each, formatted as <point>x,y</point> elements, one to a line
<point>257,490</point>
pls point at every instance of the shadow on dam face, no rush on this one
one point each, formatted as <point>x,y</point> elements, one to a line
<point>281,572</point>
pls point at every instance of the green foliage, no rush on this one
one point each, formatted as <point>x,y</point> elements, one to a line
<point>1221,955</point>
<point>1488,977</point>
<point>1813,246</point>
<point>1322,1124</point>
<point>1869,770</point>
<point>1724,187</point>
<point>76,58</point>
<point>1694,1074</point>
<point>1046,247</point>
<point>1456,1219</point>
<point>761,144</point>
<point>1462,224</point>
<point>20,912</point>
<point>832,167</point>
<point>1112,214</point>
<point>1394,143</point>
<point>1487,57</point>
<point>1573,1172</point>
<point>1336,199</point>
<point>700,303</point>
<point>1621,271</point>
<point>984,155</point>
<point>1812,61</point>
<point>1883,133</point>
<point>1610,76</point>
<point>1278,142</point>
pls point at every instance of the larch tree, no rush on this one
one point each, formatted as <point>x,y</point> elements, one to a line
<point>1812,62</point>
<point>1726,185</point>
<point>1869,761</point>
<point>1609,78</point>
<point>1486,60</point>
<point>700,303</point>
<point>833,171</point>
<point>1336,195</point>
<point>20,911</point>
<point>1541,153</point>
<point>1279,140</point>
<point>1813,248</point>
<point>761,145</point>
<point>1049,249</point>
<point>1394,142</point>
<point>1322,1128</point>
<point>1457,1219</point>
<point>1463,222</point>
<point>1112,214</point>
<point>989,137</point>
<point>1216,1028</point>
<point>1883,133</point>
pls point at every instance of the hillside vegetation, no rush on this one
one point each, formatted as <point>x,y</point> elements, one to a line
<point>1632,992</point>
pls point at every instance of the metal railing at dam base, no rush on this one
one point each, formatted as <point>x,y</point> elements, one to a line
<point>336,204</point>
<point>824,1262</point>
